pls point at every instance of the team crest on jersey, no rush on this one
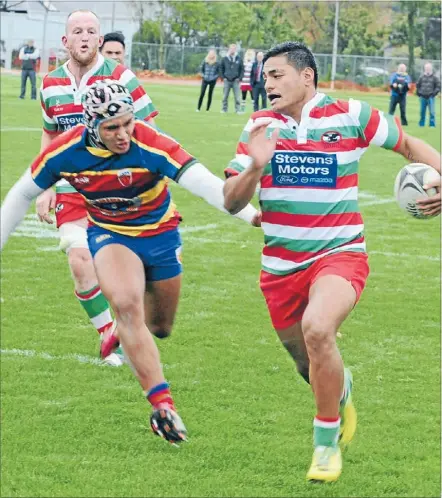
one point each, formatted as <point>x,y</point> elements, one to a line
<point>125,177</point>
<point>331,137</point>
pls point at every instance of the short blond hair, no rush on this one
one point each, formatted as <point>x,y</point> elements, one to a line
<point>83,11</point>
<point>249,56</point>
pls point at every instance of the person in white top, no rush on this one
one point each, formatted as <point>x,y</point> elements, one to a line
<point>28,55</point>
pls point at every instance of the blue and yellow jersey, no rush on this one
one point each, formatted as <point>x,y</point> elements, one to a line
<point>124,193</point>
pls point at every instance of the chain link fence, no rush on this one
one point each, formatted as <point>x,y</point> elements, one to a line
<point>183,60</point>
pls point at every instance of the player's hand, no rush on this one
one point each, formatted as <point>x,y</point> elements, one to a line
<point>431,205</point>
<point>261,148</point>
<point>44,205</point>
<point>256,221</point>
<point>394,85</point>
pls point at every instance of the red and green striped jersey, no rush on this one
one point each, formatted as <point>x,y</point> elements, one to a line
<point>125,193</point>
<point>309,191</point>
<point>61,99</point>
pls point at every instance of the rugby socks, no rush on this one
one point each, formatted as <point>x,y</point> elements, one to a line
<point>160,395</point>
<point>96,307</point>
<point>326,431</point>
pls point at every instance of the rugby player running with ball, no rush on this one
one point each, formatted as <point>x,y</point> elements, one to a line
<point>304,154</point>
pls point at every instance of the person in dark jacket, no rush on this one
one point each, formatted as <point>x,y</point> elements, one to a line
<point>28,55</point>
<point>232,72</point>
<point>257,82</point>
<point>399,84</point>
<point>210,73</point>
<point>427,87</point>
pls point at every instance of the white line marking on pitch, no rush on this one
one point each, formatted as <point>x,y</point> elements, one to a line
<point>35,229</point>
<point>81,358</point>
<point>376,202</point>
<point>404,255</point>
<point>367,195</point>
<point>18,128</point>
<point>29,353</point>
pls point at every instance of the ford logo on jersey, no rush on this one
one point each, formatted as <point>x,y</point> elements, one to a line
<point>68,121</point>
<point>304,169</point>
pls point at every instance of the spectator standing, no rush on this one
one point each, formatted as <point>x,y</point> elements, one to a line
<point>245,86</point>
<point>210,69</point>
<point>28,55</point>
<point>400,84</point>
<point>114,46</point>
<point>257,82</point>
<point>232,71</point>
<point>427,87</point>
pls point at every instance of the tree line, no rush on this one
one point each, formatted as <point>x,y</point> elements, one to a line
<point>365,28</point>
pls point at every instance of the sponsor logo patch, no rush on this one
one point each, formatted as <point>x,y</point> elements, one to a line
<point>82,180</point>
<point>59,207</point>
<point>100,238</point>
<point>68,121</point>
<point>304,169</point>
<point>116,206</point>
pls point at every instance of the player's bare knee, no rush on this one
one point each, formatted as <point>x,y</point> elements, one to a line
<point>319,337</point>
<point>81,265</point>
<point>128,307</point>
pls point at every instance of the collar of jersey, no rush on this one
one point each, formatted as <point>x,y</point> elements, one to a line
<point>99,152</point>
<point>86,76</point>
<point>305,117</point>
<point>305,114</point>
<point>95,151</point>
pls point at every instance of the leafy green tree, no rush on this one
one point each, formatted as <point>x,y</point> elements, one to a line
<point>417,26</point>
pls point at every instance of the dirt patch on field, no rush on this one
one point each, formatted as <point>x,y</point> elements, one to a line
<point>160,76</point>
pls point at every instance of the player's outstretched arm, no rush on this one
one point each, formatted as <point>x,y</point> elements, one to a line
<point>418,151</point>
<point>201,182</point>
<point>16,204</point>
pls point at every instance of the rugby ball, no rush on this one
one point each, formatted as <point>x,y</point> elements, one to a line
<point>409,186</point>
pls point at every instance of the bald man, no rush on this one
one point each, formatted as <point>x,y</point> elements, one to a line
<point>399,84</point>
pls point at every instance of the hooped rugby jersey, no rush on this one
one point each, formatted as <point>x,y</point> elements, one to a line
<point>61,99</point>
<point>309,190</point>
<point>124,193</point>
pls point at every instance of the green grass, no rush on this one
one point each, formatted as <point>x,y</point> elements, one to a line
<point>78,429</point>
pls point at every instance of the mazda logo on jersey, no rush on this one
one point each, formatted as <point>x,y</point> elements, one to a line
<point>125,177</point>
<point>331,137</point>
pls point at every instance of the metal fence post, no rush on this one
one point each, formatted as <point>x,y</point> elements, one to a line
<point>182,57</point>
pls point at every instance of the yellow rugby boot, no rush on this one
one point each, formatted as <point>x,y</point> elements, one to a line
<point>326,464</point>
<point>347,412</point>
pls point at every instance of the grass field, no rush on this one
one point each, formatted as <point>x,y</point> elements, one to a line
<point>74,428</point>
